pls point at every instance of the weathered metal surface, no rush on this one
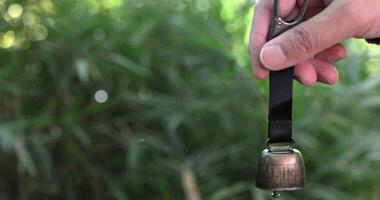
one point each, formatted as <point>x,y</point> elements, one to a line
<point>280,170</point>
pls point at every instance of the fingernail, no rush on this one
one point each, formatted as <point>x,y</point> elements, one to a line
<point>273,57</point>
<point>307,82</point>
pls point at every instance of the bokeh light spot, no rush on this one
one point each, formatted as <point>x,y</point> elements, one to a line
<point>110,4</point>
<point>203,5</point>
<point>8,39</point>
<point>15,10</point>
<point>47,6</point>
<point>38,33</point>
<point>101,96</point>
<point>30,19</point>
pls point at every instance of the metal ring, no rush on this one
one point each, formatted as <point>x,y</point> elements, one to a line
<point>289,146</point>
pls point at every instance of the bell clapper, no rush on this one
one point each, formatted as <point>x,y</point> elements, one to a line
<point>275,194</point>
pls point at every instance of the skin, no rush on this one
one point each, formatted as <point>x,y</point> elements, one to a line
<point>313,46</point>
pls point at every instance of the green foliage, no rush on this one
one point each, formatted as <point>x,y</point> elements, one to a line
<point>184,116</point>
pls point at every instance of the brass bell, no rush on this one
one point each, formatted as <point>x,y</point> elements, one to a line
<point>280,168</point>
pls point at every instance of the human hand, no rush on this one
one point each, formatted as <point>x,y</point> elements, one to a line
<point>313,46</point>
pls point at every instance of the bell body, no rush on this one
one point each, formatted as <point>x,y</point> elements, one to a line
<point>280,170</point>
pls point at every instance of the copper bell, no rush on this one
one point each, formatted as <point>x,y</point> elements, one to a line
<point>280,168</point>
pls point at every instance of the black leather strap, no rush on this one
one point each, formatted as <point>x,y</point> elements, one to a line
<point>280,106</point>
<point>281,83</point>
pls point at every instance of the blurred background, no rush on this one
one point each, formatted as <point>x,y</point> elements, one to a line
<point>155,99</point>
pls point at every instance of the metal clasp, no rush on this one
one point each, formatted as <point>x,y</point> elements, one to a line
<point>279,25</point>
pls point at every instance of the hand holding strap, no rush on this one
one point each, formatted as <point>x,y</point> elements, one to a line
<point>281,84</point>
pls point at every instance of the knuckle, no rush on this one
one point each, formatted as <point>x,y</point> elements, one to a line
<point>303,39</point>
<point>351,10</point>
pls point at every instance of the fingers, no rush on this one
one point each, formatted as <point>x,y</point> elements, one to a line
<point>306,73</point>
<point>259,32</point>
<point>313,70</point>
<point>324,63</point>
<point>307,39</point>
<point>327,72</point>
<point>333,54</point>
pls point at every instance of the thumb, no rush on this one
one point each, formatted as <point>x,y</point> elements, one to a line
<point>309,38</point>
